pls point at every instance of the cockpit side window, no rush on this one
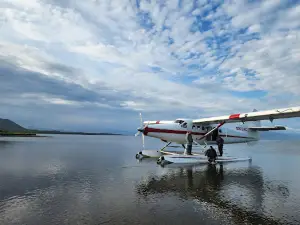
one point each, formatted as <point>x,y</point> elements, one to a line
<point>184,125</point>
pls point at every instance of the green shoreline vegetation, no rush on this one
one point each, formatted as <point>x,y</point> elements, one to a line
<point>17,134</point>
<point>37,133</point>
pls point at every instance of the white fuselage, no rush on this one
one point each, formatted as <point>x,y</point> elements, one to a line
<point>174,131</point>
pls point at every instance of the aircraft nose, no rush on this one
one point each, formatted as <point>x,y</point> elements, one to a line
<point>141,130</point>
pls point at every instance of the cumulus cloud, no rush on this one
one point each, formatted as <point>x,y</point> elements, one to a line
<point>167,59</point>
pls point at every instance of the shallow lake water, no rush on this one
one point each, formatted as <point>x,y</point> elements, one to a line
<point>74,179</point>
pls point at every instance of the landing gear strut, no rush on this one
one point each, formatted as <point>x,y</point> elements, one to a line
<point>151,153</point>
<point>165,146</point>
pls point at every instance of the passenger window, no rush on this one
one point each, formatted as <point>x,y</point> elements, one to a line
<point>203,128</point>
<point>220,131</point>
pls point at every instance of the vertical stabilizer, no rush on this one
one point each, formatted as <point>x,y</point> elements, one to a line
<point>254,123</point>
<point>253,133</point>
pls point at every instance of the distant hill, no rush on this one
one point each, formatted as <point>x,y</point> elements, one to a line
<point>70,132</point>
<point>8,125</point>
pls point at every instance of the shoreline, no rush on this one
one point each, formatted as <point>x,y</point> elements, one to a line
<point>21,135</point>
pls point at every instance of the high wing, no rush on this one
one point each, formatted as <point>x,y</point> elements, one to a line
<point>252,116</point>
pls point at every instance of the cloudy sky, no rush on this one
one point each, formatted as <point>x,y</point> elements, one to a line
<point>93,65</point>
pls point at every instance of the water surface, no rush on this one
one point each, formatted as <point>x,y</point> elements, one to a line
<point>66,179</point>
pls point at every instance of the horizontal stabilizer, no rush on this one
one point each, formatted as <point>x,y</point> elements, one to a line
<point>267,128</point>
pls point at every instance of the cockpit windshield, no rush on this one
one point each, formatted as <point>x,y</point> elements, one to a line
<point>179,121</point>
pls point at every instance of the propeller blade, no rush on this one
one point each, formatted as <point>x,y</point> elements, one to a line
<point>141,120</point>
<point>143,138</point>
<point>140,131</point>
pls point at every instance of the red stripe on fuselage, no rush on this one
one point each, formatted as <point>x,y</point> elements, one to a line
<point>234,116</point>
<point>156,130</point>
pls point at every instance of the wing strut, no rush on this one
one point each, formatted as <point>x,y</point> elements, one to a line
<point>208,133</point>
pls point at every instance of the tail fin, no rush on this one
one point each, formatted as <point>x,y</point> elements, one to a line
<point>251,124</point>
<point>255,123</point>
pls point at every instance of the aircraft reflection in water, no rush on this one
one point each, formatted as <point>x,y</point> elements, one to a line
<point>239,193</point>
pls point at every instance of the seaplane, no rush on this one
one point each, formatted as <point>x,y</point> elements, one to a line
<point>204,132</point>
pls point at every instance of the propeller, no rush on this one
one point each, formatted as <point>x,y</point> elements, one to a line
<point>141,126</point>
<point>141,130</point>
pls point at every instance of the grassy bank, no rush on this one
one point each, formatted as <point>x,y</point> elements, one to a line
<point>17,134</point>
<point>13,134</point>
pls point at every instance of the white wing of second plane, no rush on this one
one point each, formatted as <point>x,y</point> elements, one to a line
<point>252,116</point>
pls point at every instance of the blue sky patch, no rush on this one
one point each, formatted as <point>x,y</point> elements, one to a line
<point>257,94</point>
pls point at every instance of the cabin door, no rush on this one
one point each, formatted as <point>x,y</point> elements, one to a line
<point>213,135</point>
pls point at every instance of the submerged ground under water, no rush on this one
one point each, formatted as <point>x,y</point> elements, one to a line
<point>67,179</point>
